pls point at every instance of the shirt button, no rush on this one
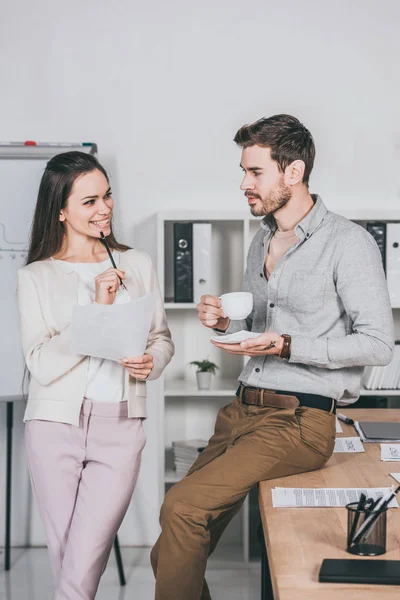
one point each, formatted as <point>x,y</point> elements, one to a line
<point>307,235</point>
<point>257,370</point>
<point>261,275</point>
<point>272,305</point>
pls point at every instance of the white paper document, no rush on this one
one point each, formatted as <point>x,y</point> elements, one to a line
<point>319,497</point>
<point>112,331</point>
<point>395,476</point>
<point>390,452</point>
<point>338,426</point>
<point>348,444</point>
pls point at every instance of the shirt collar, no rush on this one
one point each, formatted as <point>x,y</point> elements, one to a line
<point>306,227</point>
<point>67,267</point>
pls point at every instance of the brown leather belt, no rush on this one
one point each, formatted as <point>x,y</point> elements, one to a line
<point>282,399</point>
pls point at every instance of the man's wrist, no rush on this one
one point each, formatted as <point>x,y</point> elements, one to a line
<point>222,325</point>
<point>286,346</point>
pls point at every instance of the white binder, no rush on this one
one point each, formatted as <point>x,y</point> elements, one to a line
<point>201,260</point>
<point>393,263</point>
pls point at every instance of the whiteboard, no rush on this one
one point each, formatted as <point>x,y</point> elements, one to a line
<point>21,169</point>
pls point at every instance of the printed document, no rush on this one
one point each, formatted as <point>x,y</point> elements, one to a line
<point>112,331</point>
<point>390,452</point>
<point>348,444</point>
<point>338,426</point>
<point>319,497</point>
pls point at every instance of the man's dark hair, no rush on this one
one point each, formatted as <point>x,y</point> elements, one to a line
<point>286,137</point>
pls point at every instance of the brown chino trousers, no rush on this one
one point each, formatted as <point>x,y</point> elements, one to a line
<point>250,444</point>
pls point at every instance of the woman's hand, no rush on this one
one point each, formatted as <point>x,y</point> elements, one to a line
<point>107,284</point>
<point>139,367</point>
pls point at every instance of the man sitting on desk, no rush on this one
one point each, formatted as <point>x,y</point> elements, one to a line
<point>322,309</point>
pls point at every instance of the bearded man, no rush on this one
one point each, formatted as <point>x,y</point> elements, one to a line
<point>321,307</point>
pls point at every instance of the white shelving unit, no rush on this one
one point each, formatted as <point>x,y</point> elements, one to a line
<point>180,409</point>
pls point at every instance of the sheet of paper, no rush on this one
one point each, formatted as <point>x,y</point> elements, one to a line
<point>112,331</point>
<point>348,444</point>
<point>390,452</point>
<point>396,476</point>
<point>319,497</point>
<point>338,426</point>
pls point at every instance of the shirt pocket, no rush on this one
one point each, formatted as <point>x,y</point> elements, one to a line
<point>306,293</point>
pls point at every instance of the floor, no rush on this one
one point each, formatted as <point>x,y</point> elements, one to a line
<point>30,578</point>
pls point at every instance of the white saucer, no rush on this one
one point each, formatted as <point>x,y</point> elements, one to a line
<point>235,338</point>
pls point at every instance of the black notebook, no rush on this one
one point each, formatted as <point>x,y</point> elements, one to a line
<point>380,430</point>
<point>381,572</point>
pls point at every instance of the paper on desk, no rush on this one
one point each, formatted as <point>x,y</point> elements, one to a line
<point>348,444</point>
<point>390,452</point>
<point>112,331</point>
<point>396,476</point>
<point>338,426</point>
<point>319,497</point>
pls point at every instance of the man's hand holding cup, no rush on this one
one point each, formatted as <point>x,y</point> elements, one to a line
<point>210,313</point>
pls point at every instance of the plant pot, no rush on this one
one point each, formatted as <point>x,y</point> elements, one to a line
<point>203,380</point>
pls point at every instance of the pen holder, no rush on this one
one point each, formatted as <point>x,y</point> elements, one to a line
<point>373,541</point>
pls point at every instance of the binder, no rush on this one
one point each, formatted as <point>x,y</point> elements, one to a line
<point>393,263</point>
<point>201,259</point>
<point>183,262</point>
<point>378,232</point>
<point>169,294</point>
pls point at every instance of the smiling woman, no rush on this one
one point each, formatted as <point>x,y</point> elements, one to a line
<point>74,196</point>
<point>88,410</point>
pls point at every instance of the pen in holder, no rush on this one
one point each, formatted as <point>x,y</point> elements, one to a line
<point>366,530</point>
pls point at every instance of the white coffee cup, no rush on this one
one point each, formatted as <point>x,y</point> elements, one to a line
<point>237,305</point>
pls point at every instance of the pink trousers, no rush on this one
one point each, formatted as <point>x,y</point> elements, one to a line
<point>83,479</point>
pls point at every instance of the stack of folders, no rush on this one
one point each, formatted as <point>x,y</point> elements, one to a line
<point>372,431</point>
<point>185,453</point>
<point>384,378</point>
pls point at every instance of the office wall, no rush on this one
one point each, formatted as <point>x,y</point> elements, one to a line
<point>163,86</point>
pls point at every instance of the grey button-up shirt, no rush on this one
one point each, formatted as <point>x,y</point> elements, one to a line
<point>329,293</point>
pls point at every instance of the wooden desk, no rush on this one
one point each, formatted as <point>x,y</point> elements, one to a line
<point>297,539</point>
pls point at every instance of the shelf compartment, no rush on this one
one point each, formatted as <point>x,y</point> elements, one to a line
<point>179,305</point>
<point>184,387</point>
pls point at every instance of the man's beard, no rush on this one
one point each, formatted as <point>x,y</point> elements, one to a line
<point>275,200</point>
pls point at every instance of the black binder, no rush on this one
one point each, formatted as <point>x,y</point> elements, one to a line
<point>381,572</point>
<point>378,232</point>
<point>183,262</point>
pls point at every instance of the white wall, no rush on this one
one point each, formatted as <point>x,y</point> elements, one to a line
<point>163,86</point>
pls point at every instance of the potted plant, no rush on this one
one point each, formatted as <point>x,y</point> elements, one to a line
<point>205,368</point>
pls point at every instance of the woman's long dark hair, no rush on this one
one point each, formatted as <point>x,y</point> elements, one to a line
<point>60,174</point>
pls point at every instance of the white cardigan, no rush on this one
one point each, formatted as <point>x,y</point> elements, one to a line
<point>47,293</point>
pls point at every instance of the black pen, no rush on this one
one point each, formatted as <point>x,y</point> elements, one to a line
<point>345,419</point>
<point>359,508</point>
<point>368,525</point>
<point>103,239</point>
